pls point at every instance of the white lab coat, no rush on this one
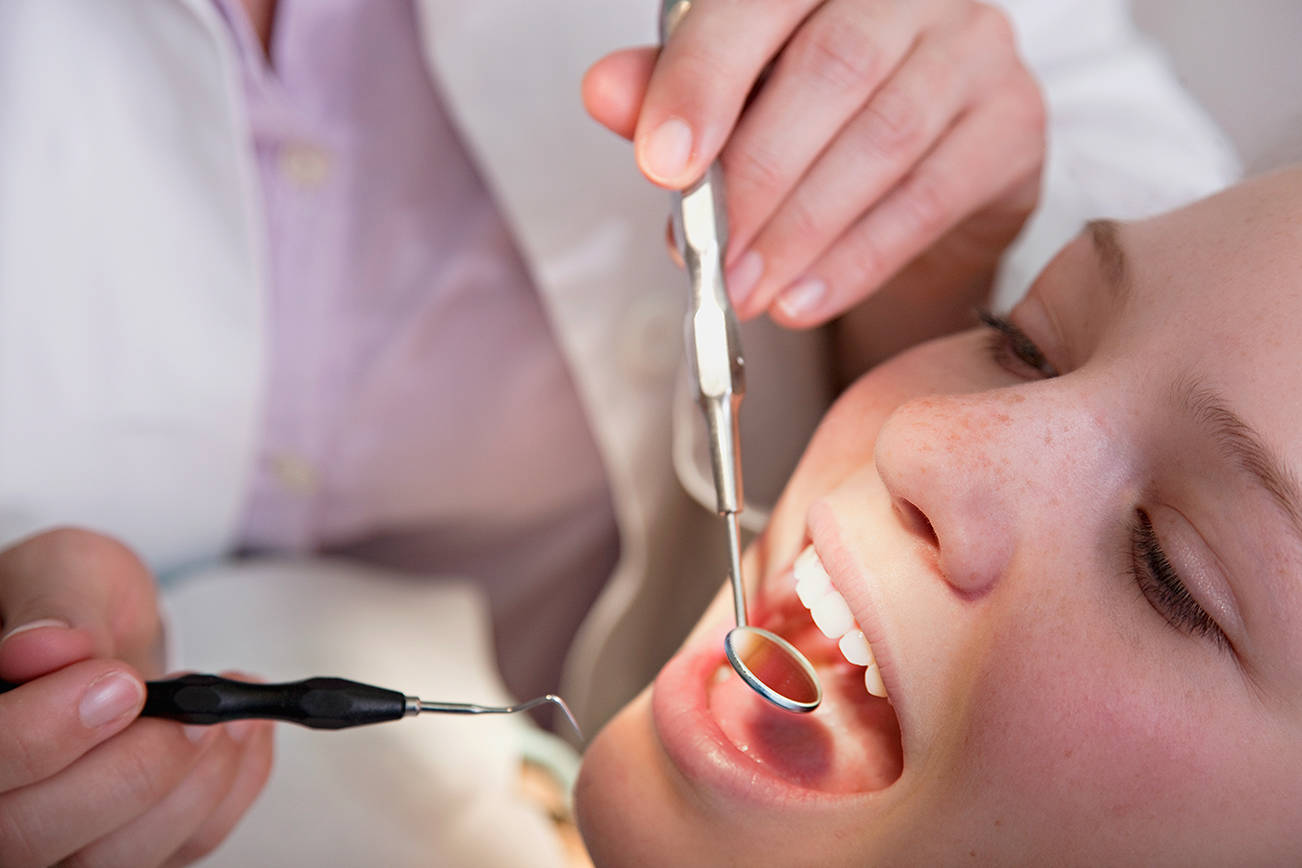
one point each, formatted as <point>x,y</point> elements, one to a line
<point>132,271</point>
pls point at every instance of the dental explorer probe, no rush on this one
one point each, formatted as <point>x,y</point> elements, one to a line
<point>768,663</point>
<point>319,703</point>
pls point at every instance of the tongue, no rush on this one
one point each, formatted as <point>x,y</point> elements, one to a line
<point>851,743</point>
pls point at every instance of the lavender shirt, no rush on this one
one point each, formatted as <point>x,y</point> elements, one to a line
<point>418,411</point>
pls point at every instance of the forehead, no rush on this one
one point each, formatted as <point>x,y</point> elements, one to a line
<point>1213,290</point>
<point>1235,259</point>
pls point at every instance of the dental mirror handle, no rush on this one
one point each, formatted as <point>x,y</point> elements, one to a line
<point>713,336</point>
<point>319,703</point>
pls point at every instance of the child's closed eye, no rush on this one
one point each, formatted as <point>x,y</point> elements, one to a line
<point>1162,587</point>
<point>1012,350</point>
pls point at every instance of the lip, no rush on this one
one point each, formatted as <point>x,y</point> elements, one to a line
<point>697,746</point>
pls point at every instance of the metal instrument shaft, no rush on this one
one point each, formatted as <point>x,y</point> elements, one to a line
<point>713,336</point>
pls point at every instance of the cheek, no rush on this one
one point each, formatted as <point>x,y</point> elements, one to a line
<point>1102,737</point>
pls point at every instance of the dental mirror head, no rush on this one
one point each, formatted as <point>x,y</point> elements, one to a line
<point>773,668</point>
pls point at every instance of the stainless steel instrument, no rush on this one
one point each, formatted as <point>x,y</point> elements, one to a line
<point>319,703</point>
<point>766,661</point>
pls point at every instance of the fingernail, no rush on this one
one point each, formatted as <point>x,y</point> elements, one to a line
<point>668,149</point>
<point>34,625</point>
<point>108,698</point>
<point>801,299</point>
<point>744,276</point>
<point>195,732</point>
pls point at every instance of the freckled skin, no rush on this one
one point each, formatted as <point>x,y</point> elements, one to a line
<point>1050,713</point>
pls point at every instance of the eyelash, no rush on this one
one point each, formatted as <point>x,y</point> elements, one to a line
<point>1157,579</point>
<point>1161,585</point>
<point>1012,350</point>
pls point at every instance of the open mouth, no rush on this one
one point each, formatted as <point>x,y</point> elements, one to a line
<point>851,743</point>
<point>716,728</point>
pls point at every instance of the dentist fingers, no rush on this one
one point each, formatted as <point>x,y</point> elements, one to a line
<point>70,594</point>
<point>953,213</point>
<point>700,83</point>
<point>888,151</point>
<point>83,781</point>
<point>859,96</point>
<point>146,795</point>
<point>254,769</point>
<point>48,724</point>
<point>198,813</point>
<point>614,87</point>
<point>106,788</point>
<point>849,67</point>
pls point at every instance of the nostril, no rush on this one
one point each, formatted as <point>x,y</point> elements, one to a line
<point>916,521</point>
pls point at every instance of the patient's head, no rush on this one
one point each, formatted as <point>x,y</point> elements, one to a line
<point>1074,543</point>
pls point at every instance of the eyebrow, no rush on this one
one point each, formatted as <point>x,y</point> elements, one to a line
<point>1104,235</point>
<point>1242,445</point>
<point>1238,442</point>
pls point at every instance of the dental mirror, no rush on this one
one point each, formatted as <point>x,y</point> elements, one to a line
<point>773,668</point>
<point>769,664</point>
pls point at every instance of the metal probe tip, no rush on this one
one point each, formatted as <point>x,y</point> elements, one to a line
<point>565,709</point>
<point>418,705</point>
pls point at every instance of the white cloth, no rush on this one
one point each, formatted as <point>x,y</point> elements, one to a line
<point>1121,144</point>
<point>132,280</point>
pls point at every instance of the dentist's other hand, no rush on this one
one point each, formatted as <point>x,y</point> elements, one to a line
<point>884,130</point>
<point>82,780</point>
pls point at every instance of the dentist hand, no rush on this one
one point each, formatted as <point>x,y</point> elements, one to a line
<point>884,131</point>
<point>82,780</point>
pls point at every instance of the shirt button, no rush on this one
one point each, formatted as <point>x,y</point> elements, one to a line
<point>294,473</point>
<point>307,166</point>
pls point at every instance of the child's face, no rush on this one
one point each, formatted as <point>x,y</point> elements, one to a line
<point>1081,578</point>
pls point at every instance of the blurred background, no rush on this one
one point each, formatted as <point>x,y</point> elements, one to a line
<point>1241,60</point>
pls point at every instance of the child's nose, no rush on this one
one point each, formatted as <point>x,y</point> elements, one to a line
<point>974,476</point>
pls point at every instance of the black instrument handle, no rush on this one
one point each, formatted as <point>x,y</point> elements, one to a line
<point>319,703</point>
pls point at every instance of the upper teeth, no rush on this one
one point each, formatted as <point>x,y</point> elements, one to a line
<point>832,616</point>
